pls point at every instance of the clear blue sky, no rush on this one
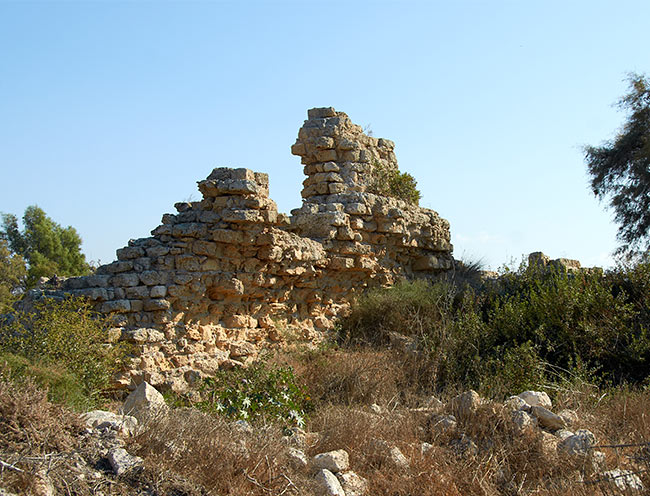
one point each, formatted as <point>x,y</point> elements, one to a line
<point>111,111</point>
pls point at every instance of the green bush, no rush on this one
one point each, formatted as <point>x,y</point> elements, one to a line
<point>519,330</point>
<point>62,386</point>
<point>395,184</point>
<point>67,335</point>
<point>256,392</point>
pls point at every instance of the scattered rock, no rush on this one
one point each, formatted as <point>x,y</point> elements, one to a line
<point>334,461</point>
<point>579,444</point>
<point>563,434</point>
<point>547,418</point>
<point>328,483</point>
<point>623,479</point>
<point>523,420</point>
<point>516,403</point>
<point>397,459</point>
<point>442,423</point>
<point>569,416</point>
<point>352,484</point>
<point>465,404</point>
<point>536,398</point>
<point>121,461</point>
<point>297,458</point>
<point>126,425</point>
<point>144,402</point>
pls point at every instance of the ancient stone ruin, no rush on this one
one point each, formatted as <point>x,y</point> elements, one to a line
<point>228,275</point>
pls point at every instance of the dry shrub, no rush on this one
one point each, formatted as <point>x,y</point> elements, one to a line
<point>351,377</point>
<point>29,423</point>
<point>505,462</point>
<point>31,428</point>
<point>216,455</point>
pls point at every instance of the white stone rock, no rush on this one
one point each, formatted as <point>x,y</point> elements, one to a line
<point>334,461</point>
<point>121,461</point>
<point>144,402</point>
<point>397,459</point>
<point>523,420</point>
<point>536,398</point>
<point>569,416</point>
<point>624,479</point>
<point>328,483</point>
<point>563,434</point>
<point>579,444</point>
<point>547,418</point>
<point>516,403</point>
<point>297,458</point>
<point>598,461</point>
<point>375,408</point>
<point>352,484</point>
<point>443,423</point>
<point>102,419</point>
<point>465,404</point>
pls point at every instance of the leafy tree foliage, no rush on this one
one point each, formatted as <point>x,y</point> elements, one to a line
<point>48,248</point>
<point>620,169</point>
<point>12,275</point>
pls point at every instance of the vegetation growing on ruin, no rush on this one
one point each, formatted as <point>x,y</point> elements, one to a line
<point>393,183</point>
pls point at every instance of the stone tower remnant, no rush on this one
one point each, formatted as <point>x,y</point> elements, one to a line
<point>226,276</point>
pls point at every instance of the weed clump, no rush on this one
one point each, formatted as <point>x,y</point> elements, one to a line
<point>256,392</point>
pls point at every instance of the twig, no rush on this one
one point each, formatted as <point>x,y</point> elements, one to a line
<point>254,481</point>
<point>289,484</point>
<point>10,466</point>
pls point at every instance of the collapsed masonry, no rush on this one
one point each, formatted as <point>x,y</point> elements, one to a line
<point>228,275</point>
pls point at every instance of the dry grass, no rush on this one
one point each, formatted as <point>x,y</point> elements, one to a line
<point>190,453</point>
<point>218,456</point>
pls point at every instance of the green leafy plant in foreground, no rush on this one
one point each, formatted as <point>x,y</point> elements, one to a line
<point>256,392</point>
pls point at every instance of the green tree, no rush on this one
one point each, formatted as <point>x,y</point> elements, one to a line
<point>620,169</point>
<point>12,276</point>
<point>48,248</point>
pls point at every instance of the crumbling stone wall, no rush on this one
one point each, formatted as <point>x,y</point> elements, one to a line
<point>228,275</point>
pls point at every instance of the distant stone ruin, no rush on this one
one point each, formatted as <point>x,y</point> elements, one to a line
<point>228,275</point>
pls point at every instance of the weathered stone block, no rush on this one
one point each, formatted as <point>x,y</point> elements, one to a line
<point>152,278</point>
<point>321,112</point>
<point>326,155</point>
<point>117,306</point>
<point>129,252</point>
<point>125,280</point>
<point>156,304</point>
<point>158,292</point>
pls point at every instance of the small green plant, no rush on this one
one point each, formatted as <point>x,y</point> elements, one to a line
<point>69,336</point>
<point>393,183</point>
<point>255,392</point>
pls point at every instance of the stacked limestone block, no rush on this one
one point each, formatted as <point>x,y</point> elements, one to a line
<point>219,280</point>
<point>383,237</point>
<point>337,155</point>
<point>208,289</point>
